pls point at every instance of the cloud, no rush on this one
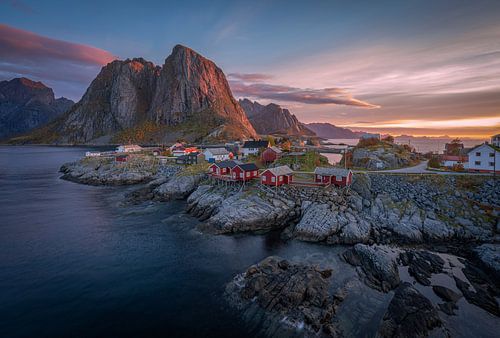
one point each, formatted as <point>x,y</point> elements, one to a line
<point>322,96</point>
<point>250,77</point>
<point>65,66</point>
<point>20,44</point>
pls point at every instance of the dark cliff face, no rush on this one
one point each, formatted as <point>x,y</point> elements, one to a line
<point>273,119</point>
<point>330,131</point>
<point>135,97</point>
<point>26,104</point>
<point>190,84</point>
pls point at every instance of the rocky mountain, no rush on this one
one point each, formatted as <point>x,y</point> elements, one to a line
<point>327,130</point>
<point>26,104</point>
<point>134,100</point>
<point>273,119</point>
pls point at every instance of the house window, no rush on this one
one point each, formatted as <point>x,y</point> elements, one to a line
<point>477,162</point>
<point>273,179</point>
<point>492,164</point>
<point>492,154</point>
<point>281,178</point>
<point>339,178</point>
<point>478,154</point>
<point>264,178</point>
<point>248,174</point>
<point>255,172</point>
<point>319,177</point>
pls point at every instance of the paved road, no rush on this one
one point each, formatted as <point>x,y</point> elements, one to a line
<point>420,168</point>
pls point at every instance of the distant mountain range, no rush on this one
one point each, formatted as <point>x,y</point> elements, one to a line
<point>330,131</point>
<point>26,104</point>
<point>273,119</point>
<point>134,100</point>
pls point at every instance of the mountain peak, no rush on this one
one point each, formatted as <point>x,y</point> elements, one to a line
<point>24,81</point>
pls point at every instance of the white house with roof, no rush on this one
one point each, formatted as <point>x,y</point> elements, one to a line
<point>495,140</point>
<point>216,154</point>
<point>484,158</point>
<point>129,148</point>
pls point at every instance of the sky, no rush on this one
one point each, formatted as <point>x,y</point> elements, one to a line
<point>401,67</point>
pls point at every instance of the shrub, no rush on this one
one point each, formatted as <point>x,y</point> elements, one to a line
<point>434,162</point>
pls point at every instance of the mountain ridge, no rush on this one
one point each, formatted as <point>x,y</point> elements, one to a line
<point>134,100</point>
<point>329,131</point>
<point>273,119</point>
<point>26,104</point>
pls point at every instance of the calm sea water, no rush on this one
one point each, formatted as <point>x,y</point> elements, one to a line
<point>75,261</point>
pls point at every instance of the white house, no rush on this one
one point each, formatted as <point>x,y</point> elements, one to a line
<point>254,147</point>
<point>495,140</point>
<point>216,154</point>
<point>484,158</point>
<point>129,148</point>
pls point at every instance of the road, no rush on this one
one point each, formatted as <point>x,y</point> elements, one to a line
<point>420,168</point>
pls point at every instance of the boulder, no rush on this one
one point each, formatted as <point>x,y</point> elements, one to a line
<point>178,187</point>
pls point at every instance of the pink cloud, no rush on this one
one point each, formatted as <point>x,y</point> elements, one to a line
<point>320,96</point>
<point>251,77</point>
<point>17,44</point>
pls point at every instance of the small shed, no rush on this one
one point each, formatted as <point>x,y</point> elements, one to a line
<point>245,172</point>
<point>190,158</point>
<point>338,176</point>
<point>271,154</point>
<point>121,158</point>
<point>277,176</point>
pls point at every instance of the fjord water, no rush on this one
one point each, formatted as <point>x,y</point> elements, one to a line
<point>76,261</point>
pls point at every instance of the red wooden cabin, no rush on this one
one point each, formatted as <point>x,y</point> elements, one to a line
<point>245,172</point>
<point>121,158</point>
<point>223,168</point>
<point>277,176</point>
<point>336,176</point>
<point>271,154</point>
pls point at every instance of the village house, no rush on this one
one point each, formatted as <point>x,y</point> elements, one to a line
<point>495,140</point>
<point>190,158</point>
<point>337,176</point>
<point>271,154</point>
<point>223,168</point>
<point>484,158</point>
<point>254,147</point>
<point>216,154</point>
<point>245,172</point>
<point>277,176</point>
<point>451,161</point>
<point>129,148</point>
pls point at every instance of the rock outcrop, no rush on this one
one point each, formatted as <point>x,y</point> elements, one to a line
<point>229,211</point>
<point>384,155</point>
<point>188,97</point>
<point>93,171</point>
<point>410,314</point>
<point>26,104</point>
<point>178,187</point>
<point>489,255</point>
<point>299,293</point>
<point>273,119</point>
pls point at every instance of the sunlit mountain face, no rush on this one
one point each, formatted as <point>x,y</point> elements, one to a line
<point>409,67</point>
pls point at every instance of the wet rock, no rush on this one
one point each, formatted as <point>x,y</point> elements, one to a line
<point>409,314</point>
<point>481,292</point>
<point>489,255</point>
<point>299,292</point>
<point>422,264</point>
<point>448,308</point>
<point>178,187</point>
<point>446,294</point>
<point>318,222</point>
<point>378,263</point>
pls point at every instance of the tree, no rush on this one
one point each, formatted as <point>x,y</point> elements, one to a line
<point>389,138</point>
<point>271,140</point>
<point>434,162</point>
<point>454,147</point>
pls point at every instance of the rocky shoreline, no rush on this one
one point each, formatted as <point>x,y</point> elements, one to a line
<point>399,231</point>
